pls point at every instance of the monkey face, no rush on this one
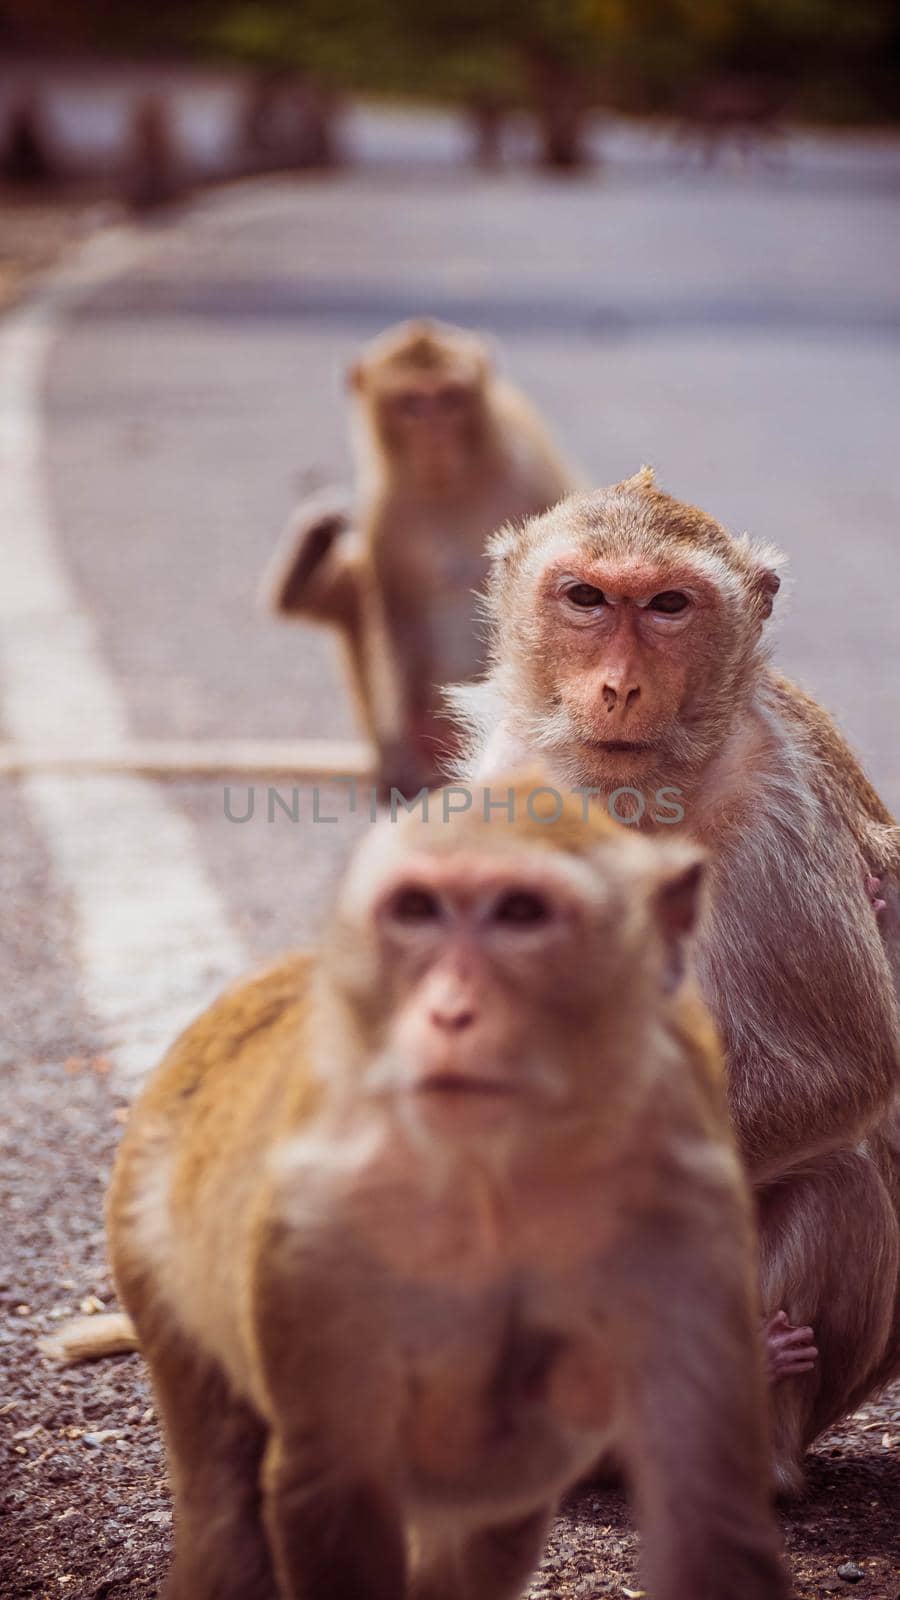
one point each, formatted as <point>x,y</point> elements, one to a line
<point>433,419</point>
<point>626,623</point>
<point>420,389</point>
<point>629,648</point>
<point>467,942</point>
<point>469,959</point>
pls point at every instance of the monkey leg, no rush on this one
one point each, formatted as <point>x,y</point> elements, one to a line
<point>493,1564</point>
<point>829,1257</point>
<point>331,1539</point>
<point>388,670</point>
<point>215,1445</point>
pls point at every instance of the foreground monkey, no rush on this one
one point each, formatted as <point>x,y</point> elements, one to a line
<point>627,632</point>
<point>412,1233</point>
<point>447,452</point>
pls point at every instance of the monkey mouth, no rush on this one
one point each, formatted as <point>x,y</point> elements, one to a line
<point>458,1083</point>
<point>624,747</point>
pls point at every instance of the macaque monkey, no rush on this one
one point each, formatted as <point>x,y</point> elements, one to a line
<point>413,1230</point>
<point>628,655</point>
<point>446,452</point>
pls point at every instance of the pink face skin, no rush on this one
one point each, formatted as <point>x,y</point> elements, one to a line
<point>431,421</point>
<point>456,938</point>
<point>483,960</point>
<point>627,645</point>
<point>429,404</point>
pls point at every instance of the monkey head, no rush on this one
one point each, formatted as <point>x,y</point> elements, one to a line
<point>491,972</point>
<point>626,625</point>
<point>421,394</point>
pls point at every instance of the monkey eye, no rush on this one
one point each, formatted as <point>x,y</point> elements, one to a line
<point>669,603</point>
<point>585,596</point>
<point>414,904</point>
<point>521,908</point>
<point>411,405</point>
<point>453,398</point>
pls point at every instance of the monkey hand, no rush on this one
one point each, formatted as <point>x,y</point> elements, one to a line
<point>789,1351</point>
<point>873,885</point>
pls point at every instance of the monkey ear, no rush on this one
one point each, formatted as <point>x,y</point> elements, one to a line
<point>487,356</point>
<point>502,543</point>
<point>645,479</point>
<point>768,584</point>
<point>763,563</point>
<point>676,903</point>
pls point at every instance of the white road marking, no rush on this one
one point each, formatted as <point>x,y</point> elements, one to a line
<point>152,934</point>
<point>296,758</point>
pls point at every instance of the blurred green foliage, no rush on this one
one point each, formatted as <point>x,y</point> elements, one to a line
<point>835,59</point>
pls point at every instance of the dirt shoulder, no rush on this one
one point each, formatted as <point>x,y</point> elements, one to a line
<point>36,231</point>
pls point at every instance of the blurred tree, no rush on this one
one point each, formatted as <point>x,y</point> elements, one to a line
<point>541,53</point>
<point>25,151</point>
<point>837,57</point>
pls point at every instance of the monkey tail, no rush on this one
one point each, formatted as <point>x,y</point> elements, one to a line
<point>89,1338</point>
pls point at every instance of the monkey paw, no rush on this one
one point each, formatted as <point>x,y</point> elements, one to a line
<point>873,885</point>
<point>788,1350</point>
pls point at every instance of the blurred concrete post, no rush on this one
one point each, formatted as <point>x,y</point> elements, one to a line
<point>560,106</point>
<point>25,156</point>
<point>151,174</point>
<point>487,119</point>
<point>288,120</point>
<point>732,112</point>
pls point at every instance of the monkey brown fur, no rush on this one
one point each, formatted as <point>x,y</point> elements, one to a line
<point>412,1231</point>
<point>663,681</point>
<point>446,452</point>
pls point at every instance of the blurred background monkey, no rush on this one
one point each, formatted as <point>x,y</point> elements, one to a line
<point>414,1230</point>
<point>446,453</point>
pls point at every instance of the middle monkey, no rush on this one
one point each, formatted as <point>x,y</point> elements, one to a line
<point>446,452</point>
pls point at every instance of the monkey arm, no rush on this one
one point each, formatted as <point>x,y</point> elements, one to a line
<point>692,1390</point>
<point>313,572</point>
<point>327,1381</point>
<point>849,781</point>
<point>331,1539</point>
<point>793,963</point>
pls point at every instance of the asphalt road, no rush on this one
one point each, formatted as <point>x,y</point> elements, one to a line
<point>738,329</point>
<point>740,332</point>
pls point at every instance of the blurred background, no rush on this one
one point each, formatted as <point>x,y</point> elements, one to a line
<point>239,85</point>
<point>676,220</point>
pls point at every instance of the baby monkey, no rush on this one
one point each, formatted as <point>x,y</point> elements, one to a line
<point>414,1230</point>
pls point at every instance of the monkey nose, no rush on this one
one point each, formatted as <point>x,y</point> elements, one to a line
<point>620,699</point>
<point>453,1018</point>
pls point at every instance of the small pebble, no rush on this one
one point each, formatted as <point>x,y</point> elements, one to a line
<point>850,1572</point>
